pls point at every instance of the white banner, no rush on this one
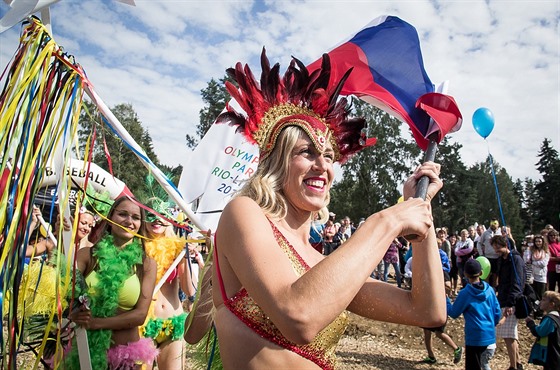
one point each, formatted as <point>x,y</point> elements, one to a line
<point>216,170</point>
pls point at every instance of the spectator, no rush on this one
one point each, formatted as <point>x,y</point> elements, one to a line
<point>445,245</point>
<point>329,233</point>
<point>472,232</point>
<point>511,275</point>
<point>348,227</point>
<point>485,249</point>
<point>538,258</point>
<point>391,258</point>
<point>408,273</point>
<point>454,271</point>
<point>478,304</point>
<point>506,231</point>
<point>463,251</point>
<point>549,328</point>
<point>440,330</point>
<point>479,231</point>
<point>553,275</point>
<point>340,236</point>
<point>316,234</point>
<point>402,252</point>
<point>362,221</point>
<point>526,253</point>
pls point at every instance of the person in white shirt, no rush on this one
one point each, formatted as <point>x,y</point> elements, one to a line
<point>463,251</point>
<point>485,249</point>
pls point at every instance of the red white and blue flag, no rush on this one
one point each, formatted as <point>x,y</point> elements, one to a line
<point>389,73</point>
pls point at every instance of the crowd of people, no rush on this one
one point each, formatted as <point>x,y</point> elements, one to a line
<point>488,304</point>
<point>281,261</point>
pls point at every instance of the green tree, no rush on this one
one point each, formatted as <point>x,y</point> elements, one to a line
<point>548,196</point>
<point>215,97</point>
<point>489,205</point>
<point>372,178</point>
<point>125,165</point>
<point>525,191</point>
<point>455,204</point>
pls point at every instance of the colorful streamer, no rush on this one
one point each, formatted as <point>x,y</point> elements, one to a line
<point>40,106</point>
<point>39,109</point>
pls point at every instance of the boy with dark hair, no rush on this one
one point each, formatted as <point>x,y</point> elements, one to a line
<point>511,283</point>
<point>481,310</point>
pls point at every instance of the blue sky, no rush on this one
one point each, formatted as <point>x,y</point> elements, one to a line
<point>158,55</point>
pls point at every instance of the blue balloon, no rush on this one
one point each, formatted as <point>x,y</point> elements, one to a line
<point>483,121</point>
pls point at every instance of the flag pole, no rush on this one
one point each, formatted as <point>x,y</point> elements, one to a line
<point>430,154</point>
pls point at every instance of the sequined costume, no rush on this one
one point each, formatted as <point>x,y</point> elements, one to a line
<point>321,350</point>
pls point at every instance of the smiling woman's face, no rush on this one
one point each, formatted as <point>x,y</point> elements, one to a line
<point>128,215</point>
<point>310,175</point>
<point>157,227</point>
<point>85,223</point>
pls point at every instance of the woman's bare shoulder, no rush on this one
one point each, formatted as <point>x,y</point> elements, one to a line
<point>241,202</point>
<point>242,217</point>
<point>241,210</point>
<point>84,260</point>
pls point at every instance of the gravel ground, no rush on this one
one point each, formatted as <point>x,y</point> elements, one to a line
<point>375,345</point>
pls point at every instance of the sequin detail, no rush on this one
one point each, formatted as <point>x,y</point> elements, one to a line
<point>321,350</point>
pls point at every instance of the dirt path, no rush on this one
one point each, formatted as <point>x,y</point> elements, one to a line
<point>375,345</point>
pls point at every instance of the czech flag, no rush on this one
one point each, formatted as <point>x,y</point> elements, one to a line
<point>388,72</point>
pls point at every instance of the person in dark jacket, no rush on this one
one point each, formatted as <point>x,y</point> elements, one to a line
<point>511,282</point>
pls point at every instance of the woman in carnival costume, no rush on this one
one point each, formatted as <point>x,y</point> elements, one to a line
<point>42,246</point>
<point>280,303</point>
<point>120,280</point>
<point>166,323</point>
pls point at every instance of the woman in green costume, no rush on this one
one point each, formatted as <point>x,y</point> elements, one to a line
<point>120,279</point>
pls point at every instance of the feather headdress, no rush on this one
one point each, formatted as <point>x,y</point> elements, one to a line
<point>307,100</point>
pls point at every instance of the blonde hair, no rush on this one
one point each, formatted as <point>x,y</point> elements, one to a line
<point>266,186</point>
<point>553,297</point>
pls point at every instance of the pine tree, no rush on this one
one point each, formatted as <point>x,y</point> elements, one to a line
<point>125,165</point>
<point>548,196</point>
<point>489,205</point>
<point>215,96</point>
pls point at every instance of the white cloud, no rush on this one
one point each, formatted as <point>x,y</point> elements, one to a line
<point>158,56</point>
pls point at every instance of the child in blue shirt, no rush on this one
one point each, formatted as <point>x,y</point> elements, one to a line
<point>481,310</point>
<point>549,304</point>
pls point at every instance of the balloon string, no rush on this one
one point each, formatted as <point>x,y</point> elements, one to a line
<point>495,184</point>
